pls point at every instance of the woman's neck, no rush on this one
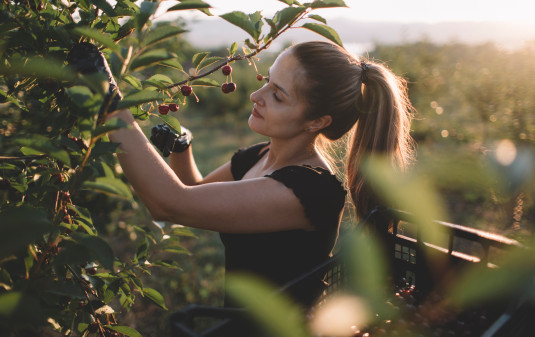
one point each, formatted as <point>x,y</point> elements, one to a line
<point>290,152</point>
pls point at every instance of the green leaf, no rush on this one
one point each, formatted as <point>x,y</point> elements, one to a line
<point>139,98</point>
<point>109,185</point>
<point>181,231</point>
<point>198,58</point>
<point>44,145</point>
<point>288,2</point>
<point>171,121</point>
<point>327,4</point>
<point>172,63</point>
<point>151,57</point>
<point>190,4</point>
<point>205,82</point>
<point>97,247</point>
<point>79,95</point>
<point>139,113</point>
<point>324,31</point>
<point>267,306</point>
<point>39,67</point>
<point>367,269</point>
<point>155,297</point>
<point>243,21</point>
<point>317,18</point>
<point>9,302</point>
<point>480,284</point>
<point>159,81</point>
<point>208,61</point>
<point>287,16</point>
<point>161,33</point>
<point>133,81</point>
<point>125,330</point>
<point>233,48</point>
<point>146,9</point>
<point>112,124</point>
<point>97,35</point>
<point>20,226</point>
<point>105,7</point>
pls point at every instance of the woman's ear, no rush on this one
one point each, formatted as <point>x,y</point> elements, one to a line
<point>318,124</point>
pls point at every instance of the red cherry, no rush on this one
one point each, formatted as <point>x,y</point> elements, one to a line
<point>259,77</point>
<point>186,90</point>
<point>231,87</point>
<point>93,327</point>
<point>226,70</point>
<point>173,107</point>
<point>163,109</point>
<point>91,271</point>
<point>224,88</point>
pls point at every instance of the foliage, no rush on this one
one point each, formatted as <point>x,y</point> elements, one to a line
<point>60,181</point>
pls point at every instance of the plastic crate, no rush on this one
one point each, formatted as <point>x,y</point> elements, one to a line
<point>408,255</point>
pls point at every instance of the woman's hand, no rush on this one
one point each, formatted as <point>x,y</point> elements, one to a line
<point>168,141</point>
<point>86,58</point>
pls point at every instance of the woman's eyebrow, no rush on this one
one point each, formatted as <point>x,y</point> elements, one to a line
<point>279,87</point>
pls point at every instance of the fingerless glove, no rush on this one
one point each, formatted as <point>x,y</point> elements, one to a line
<point>168,141</point>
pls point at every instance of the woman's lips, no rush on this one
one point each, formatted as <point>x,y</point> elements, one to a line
<point>256,114</point>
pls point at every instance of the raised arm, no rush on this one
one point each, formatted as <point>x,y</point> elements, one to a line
<point>179,150</point>
<point>183,164</point>
<point>250,206</point>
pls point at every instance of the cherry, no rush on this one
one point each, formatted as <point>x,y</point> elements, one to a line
<point>231,87</point>
<point>226,70</point>
<point>259,77</point>
<point>57,178</point>
<point>91,271</point>
<point>173,107</point>
<point>163,109</point>
<point>228,87</point>
<point>93,327</point>
<point>186,90</point>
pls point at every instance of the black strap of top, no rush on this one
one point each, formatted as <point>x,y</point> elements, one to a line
<point>244,159</point>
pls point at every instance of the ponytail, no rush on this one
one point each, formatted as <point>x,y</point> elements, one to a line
<point>382,128</point>
<point>363,98</point>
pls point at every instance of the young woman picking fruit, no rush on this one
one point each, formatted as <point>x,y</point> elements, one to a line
<point>277,205</point>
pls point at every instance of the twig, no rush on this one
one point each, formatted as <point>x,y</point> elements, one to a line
<point>241,57</point>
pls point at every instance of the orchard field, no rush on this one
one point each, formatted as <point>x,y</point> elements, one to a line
<point>79,253</point>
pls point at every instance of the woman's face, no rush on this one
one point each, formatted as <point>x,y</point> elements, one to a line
<point>279,110</point>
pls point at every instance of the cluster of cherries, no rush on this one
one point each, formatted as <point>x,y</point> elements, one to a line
<point>415,314</point>
<point>187,90</point>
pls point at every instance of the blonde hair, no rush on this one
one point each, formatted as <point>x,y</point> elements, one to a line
<point>377,112</point>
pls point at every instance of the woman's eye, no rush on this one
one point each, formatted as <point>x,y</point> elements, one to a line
<point>276,97</point>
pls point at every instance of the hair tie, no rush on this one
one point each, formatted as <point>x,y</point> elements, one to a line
<point>364,73</point>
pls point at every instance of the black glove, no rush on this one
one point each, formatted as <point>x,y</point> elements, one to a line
<point>87,59</point>
<point>167,140</point>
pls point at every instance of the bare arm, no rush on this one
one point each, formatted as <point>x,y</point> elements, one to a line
<point>249,206</point>
<point>183,164</point>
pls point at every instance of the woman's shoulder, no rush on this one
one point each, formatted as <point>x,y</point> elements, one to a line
<point>319,191</point>
<point>307,175</point>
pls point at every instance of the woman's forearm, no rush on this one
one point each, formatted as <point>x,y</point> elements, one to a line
<point>147,172</point>
<point>183,164</point>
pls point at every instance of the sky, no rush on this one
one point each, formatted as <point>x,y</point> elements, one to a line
<point>428,11</point>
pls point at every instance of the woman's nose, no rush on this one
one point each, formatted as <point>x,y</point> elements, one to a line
<point>256,97</point>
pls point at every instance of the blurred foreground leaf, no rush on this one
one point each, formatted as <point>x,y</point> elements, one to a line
<point>276,313</point>
<point>20,226</point>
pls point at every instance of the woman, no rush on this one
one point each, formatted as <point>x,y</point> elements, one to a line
<point>277,204</point>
